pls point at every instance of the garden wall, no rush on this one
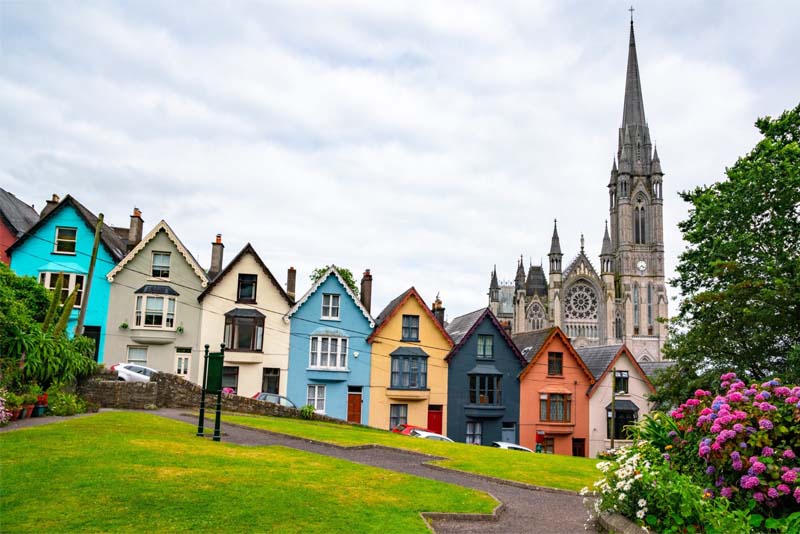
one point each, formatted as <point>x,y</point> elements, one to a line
<point>170,391</point>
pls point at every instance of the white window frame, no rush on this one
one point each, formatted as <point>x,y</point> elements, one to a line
<point>183,358</point>
<point>169,307</point>
<point>58,240</point>
<point>316,397</point>
<point>474,432</point>
<point>137,361</point>
<point>48,279</point>
<point>322,355</point>
<point>153,264</point>
<point>331,306</point>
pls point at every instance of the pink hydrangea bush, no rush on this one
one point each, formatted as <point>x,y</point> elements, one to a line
<point>747,441</point>
<point>5,415</point>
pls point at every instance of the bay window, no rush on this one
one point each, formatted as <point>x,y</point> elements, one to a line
<point>485,389</point>
<point>555,407</point>
<point>409,372</point>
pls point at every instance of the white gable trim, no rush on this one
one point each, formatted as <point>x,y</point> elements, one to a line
<point>317,284</point>
<point>201,274</point>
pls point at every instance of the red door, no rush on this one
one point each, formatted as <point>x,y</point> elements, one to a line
<point>435,418</point>
<point>354,408</point>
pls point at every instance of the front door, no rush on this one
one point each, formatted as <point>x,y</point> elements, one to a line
<point>354,405</point>
<point>509,433</point>
<point>578,447</point>
<point>435,418</point>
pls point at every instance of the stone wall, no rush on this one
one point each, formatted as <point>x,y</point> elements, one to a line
<point>170,391</point>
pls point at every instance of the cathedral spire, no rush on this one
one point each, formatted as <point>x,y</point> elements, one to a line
<point>555,243</point>
<point>656,164</point>
<point>633,109</point>
<point>519,281</point>
<point>606,250</point>
<point>493,284</point>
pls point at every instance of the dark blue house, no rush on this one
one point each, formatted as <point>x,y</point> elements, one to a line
<point>482,388</point>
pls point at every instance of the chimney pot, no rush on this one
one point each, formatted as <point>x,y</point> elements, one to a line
<point>438,310</point>
<point>217,249</point>
<point>291,280</point>
<point>135,229</point>
<point>49,206</point>
<point>366,290</point>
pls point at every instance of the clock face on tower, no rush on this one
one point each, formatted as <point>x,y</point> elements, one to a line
<point>641,265</point>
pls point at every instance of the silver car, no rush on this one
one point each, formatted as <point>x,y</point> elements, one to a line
<point>510,446</point>
<point>131,372</point>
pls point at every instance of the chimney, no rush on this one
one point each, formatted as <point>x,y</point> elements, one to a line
<point>135,230</point>
<point>49,206</point>
<point>216,257</point>
<point>366,290</point>
<point>291,278</point>
<point>438,310</point>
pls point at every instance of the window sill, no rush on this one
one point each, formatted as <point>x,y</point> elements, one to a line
<point>65,253</point>
<point>247,301</point>
<point>322,374</point>
<point>559,377</point>
<point>153,336</point>
<point>410,340</point>
<point>157,279</point>
<point>408,394</point>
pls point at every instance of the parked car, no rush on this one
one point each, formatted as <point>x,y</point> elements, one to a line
<point>130,372</point>
<point>424,434</point>
<point>274,398</point>
<point>510,446</point>
<point>406,429</point>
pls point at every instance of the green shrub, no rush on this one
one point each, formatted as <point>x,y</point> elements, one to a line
<point>307,412</point>
<point>62,404</point>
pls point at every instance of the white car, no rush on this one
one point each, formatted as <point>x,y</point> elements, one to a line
<point>510,446</point>
<point>130,372</point>
<point>429,435</point>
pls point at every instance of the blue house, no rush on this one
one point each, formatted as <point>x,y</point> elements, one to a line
<point>329,357</point>
<point>482,384</point>
<point>61,242</point>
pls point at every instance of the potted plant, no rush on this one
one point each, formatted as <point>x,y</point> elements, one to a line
<point>13,404</point>
<point>41,399</point>
<point>28,403</point>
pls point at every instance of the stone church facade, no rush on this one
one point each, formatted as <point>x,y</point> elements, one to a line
<point>621,301</point>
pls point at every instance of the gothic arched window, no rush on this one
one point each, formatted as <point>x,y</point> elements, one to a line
<point>650,308</point>
<point>536,315</point>
<point>636,309</point>
<point>639,221</point>
<point>580,310</point>
<point>618,326</point>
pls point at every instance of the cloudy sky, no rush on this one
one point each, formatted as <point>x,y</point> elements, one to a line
<point>424,140</point>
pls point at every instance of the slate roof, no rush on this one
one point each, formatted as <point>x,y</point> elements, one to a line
<point>387,311</point>
<point>395,304</point>
<point>506,296</point>
<point>18,216</point>
<point>624,405</point>
<point>460,326</point>
<point>248,249</point>
<point>245,312</point>
<point>653,368</point>
<point>154,289</point>
<point>115,246</point>
<point>529,343</point>
<point>598,358</point>
<point>409,351</point>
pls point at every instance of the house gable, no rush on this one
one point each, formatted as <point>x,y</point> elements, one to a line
<point>331,272</point>
<point>557,333</point>
<point>410,300</point>
<point>623,352</point>
<point>461,337</point>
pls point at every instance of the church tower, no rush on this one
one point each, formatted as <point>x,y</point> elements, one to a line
<point>637,235</point>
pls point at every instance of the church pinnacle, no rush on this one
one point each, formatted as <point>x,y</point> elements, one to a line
<point>633,109</point>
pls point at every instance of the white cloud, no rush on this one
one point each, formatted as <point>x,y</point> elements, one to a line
<point>426,141</point>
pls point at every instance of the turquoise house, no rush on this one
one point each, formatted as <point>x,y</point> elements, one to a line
<point>61,242</point>
<point>329,357</point>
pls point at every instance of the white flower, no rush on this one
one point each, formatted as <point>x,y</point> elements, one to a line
<point>642,503</point>
<point>640,514</point>
<point>627,486</point>
<point>622,496</point>
<point>584,491</point>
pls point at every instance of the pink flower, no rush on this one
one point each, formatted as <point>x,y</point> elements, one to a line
<point>758,496</point>
<point>692,402</point>
<point>728,376</point>
<point>767,451</point>
<point>792,399</point>
<point>772,493</point>
<point>749,482</point>
<point>782,391</point>
<point>789,476</point>
<point>706,411</point>
<point>726,492</point>
<point>757,468</point>
<point>789,454</point>
<point>715,446</point>
<point>738,427</point>
<point>783,488</point>
<point>765,424</point>
<point>797,494</point>
<point>700,393</point>
<point>735,397</point>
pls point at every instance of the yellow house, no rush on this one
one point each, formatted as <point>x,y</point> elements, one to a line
<point>408,377</point>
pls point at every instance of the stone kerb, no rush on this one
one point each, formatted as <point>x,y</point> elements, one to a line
<point>171,391</point>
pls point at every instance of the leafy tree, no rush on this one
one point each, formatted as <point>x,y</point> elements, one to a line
<point>344,272</point>
<point>33,344</point>
<point>740,274</point>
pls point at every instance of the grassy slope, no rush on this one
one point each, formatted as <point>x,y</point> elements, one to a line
<point>564,472</point>
<point>138,472</point>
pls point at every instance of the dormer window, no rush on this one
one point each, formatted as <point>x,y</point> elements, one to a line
<point>247,288</point>
<point>66,238</point>
<point>330,306</point>
<point>160,267</point>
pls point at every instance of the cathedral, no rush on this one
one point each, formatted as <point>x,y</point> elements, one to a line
<point>624,300</point>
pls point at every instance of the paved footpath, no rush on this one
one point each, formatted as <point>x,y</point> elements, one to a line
<point>524,510</point>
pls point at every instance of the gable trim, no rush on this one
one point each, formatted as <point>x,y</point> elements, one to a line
<point>622,350</point>
<point>175,241</point>
<point>313,289</point>
<point>498,326</point>
<point>557,332</point>
<point>408,294</point>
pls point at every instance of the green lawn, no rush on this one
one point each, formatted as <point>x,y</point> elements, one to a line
<point>555,471</point>
<point>136,472</point>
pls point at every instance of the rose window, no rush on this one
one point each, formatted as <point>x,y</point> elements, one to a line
<point>581,302</point>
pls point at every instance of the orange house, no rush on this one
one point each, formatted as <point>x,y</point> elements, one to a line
<point>554,405</point>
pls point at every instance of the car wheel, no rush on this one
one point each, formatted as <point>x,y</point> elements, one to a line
<point>120,379</point>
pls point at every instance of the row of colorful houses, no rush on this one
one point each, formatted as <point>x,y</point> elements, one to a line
<point>152,303</point>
